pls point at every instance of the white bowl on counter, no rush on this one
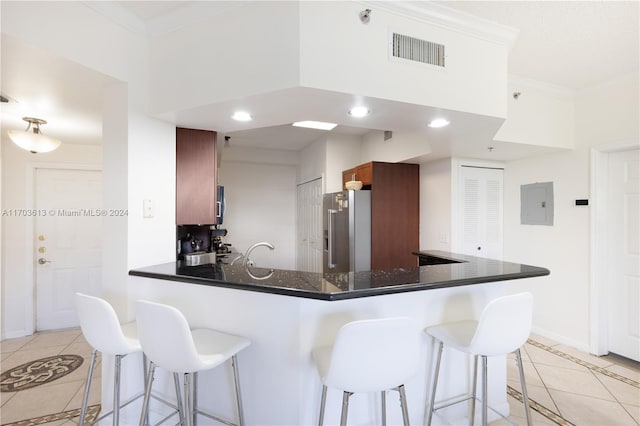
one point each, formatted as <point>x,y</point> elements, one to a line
<point>353,184</point>
<point>199,258</point>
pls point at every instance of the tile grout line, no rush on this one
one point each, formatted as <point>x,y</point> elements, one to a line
<point>612,395</point>
<point>535,367</point>
<point>544,411</point>
<point>585,364</point>
<point>592,368</point>
<point>92,413</point>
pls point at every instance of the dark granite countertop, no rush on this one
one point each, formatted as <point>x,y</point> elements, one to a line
<point>468,270</point>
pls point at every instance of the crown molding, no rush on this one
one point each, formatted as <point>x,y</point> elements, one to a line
<point>118,14</point>
<point>190,14</point>
<point>450,19</point>
<point>180,18</point>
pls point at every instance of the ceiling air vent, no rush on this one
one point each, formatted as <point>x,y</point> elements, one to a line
<point>415,49</point>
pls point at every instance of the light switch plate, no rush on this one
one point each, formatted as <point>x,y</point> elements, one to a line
<point>147,209</point>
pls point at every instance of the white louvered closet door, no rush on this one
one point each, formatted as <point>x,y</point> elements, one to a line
<point>481,201</point>
<point>309,226</point>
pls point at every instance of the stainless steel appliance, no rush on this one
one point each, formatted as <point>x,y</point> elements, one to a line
<point>347,231</point>
<point>221,205</point>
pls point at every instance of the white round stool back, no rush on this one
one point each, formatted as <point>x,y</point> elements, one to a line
<point>169,343</point>
<point>102,330</point>
<point>503,327</point>
<point>370,356</point>
<point>101,327</point>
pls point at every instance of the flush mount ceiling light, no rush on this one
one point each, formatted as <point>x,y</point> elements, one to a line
<point>320,125</point>
<point>438,122</point>
<point>35,141</point>
<point>359,112</point>
<point>242,116</point>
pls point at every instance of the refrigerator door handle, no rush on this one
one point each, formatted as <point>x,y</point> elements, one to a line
<point>330,217</point>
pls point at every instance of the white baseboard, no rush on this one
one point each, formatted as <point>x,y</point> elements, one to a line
<point>562,339</point>
<point>15,334</point>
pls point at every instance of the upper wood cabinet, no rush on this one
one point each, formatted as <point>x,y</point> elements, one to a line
<point>361,173</point>
<point>395,211</point>
<point>195,177</point>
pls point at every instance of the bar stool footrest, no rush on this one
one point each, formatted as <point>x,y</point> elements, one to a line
<point>121,406</point>
<point>216,418</point>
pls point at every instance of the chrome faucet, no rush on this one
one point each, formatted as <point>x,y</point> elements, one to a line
<point>248,261</point>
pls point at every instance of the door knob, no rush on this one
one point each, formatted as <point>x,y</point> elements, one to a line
<point>42,261</point>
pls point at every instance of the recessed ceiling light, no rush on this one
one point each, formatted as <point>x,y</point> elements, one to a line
<point>438,122</point>
<point>359,112</point>
<point>320,125</point>
<point>242,116</point>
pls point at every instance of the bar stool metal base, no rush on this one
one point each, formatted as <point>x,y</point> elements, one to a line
<point>116,394</point>
<point>345,406</point>
<point>189,411</point>
<point>433,408</point>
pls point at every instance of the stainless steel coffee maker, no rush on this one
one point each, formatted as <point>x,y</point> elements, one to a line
<point>216,244</point>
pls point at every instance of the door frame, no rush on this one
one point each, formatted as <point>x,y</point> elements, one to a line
<point>30,185</point>
<point>599,230</point>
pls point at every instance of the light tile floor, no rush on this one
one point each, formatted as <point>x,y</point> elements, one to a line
<point>62,396</point>
<point>569,387</point>
<point>566,386</point>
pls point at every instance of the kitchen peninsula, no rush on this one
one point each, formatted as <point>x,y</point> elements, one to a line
<point>288,313</point>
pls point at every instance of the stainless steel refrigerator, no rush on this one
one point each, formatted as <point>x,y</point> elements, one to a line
<point>347,231</point>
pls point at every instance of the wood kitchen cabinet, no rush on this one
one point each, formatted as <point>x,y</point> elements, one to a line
<point>361,173</point>
<point>195,177</point>
<point>395,211</point>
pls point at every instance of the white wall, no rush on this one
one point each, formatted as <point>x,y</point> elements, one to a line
<point>138,151</point>
<point>353,58</point>
<point>435,205</point>
<point>343,152</point>
<point>327,157</point>
<point>115,250</point>
<point>241,51</point>
<point>401,147</point>
<point>605,113</point>
<point>542,115</point>
<point>261,206</point>
<point>313,160</point>
<point>152,176</point>
<point>76,32</point>
<point>17,232</point>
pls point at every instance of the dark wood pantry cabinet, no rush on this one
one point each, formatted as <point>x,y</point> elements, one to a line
<point>395,211</point>
<point>195,177</point>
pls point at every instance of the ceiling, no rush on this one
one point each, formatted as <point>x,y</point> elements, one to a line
<point>572,44</point>
<point>566,44</point>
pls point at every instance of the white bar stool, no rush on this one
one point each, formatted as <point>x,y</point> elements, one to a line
<point>103,331</point>
<point>370,356</point>
<point>504,326</point>
<point>169,343</point>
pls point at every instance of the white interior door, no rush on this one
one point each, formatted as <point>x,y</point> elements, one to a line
<point>309,226</point>
<point>315,226</point>
<point>624,265</point>
<point>68,246</point>
<point>302,247</point>
<point>481,201</point>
